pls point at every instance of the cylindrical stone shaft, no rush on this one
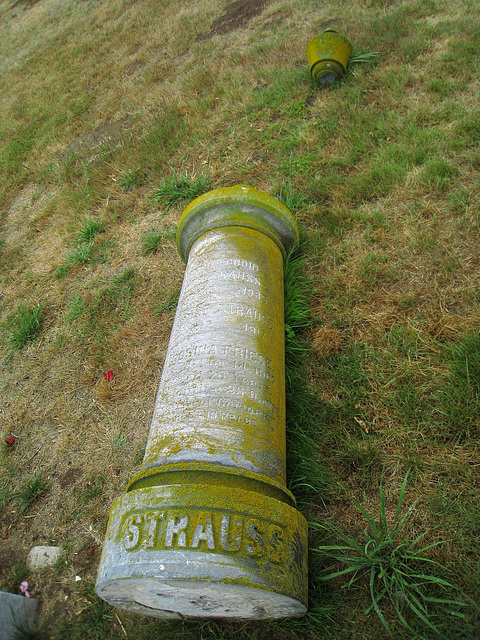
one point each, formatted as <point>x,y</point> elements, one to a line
<point>221,398</point>
<point>208,527</point>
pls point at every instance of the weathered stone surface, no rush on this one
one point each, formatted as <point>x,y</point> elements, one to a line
<point>17,614</point>
<point>208,528</point>
<point>43,556</point>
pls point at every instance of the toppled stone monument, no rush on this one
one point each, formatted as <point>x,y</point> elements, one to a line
<point>208,528</point>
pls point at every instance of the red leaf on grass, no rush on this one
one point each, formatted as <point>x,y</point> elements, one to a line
<point>10,441</point>
<point>108,375</point>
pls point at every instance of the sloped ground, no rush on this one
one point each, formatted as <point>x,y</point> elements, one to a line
<point>100,103</point>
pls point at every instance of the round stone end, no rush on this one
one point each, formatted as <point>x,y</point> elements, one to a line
<point>240,206</point>
<point>201,551</point>
<point>197,599</point>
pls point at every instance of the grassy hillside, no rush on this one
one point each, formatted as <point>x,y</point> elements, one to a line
<point>114,114</point>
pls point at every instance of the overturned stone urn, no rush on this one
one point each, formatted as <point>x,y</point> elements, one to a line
<point>208,528</point>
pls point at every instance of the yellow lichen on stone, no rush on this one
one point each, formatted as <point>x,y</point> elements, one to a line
<point>208,527</point>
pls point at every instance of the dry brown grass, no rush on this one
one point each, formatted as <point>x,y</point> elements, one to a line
<point>94,87</point>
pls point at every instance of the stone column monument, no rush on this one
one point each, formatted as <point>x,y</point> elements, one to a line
<point>208,528</point>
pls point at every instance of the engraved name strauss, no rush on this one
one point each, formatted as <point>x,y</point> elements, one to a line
<point>220,532</point>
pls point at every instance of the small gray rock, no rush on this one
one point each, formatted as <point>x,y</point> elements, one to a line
<point>43,556</point>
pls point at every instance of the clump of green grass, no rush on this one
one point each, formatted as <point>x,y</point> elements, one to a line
<point>24,327</point>
<point>28,3</point>
<point>83,253</point>
<point>97,308</point>
<point>362,458</point>
<point>461,199</point>
<point>362,58</point>
<point>89,230</point>
<point>438,173</point>
<point>281,90</point>
<point>130,179</point>
<point>166,133</point>
<point>76,308</point>
<point>86,248</point>
<point>297,313</point>
<point>153,240</point>
<point>181,189</point>
<point>18,143</point>
<point>396,571</point>
<point>294,200</point>
<point>34,487</point>
<point>120,440</point>
<point>99,312</point>
<point>16,575</point>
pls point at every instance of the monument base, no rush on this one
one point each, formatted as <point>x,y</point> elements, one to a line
<point>204,551</point>
<point>198,599</point>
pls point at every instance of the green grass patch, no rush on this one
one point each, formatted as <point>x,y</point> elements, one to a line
<point>97,315</point>
<point>375,268</point>
<point>307,475</point>
<point>459,513</point>
<point>346,372</point>
<point>181,189</point>
<point>122,285</point>
<point>94,621</point>
<point>459,394</point>
<point>285,92</point>
<point>154,239</point>
<point>360,456</point>
<point>83,253</point>
<point>89,230</point>
<point>169,303</point>
<point>397,573</point>
<point>294,199</point>
<point>17,574</point>
<point>378,180</point>
<point>130,179</point>
<point>17,142</point>
<point>33,488</point>
<point>23,327</point>
<point>439,173</point>
<point>93,488</point>
<point>75,308</point>
<point>164,135</point>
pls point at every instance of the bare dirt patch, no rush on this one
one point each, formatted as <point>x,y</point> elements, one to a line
<point>236,16</point>
<point>23,4</point>
<point>69,477</point>
<point>133,68</point>
<point>93,145</point>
